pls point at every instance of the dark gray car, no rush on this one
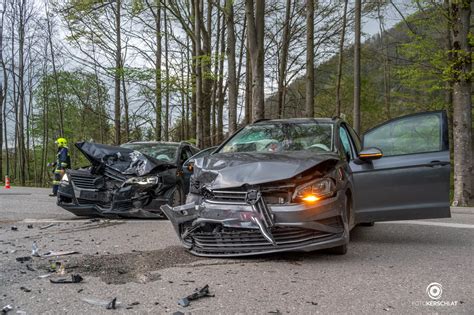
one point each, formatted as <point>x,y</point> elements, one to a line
<point>302,184</point>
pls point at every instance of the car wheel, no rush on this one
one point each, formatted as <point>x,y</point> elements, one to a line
<point>177,197</point>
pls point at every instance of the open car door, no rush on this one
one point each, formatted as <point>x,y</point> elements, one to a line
<point>411,179</point>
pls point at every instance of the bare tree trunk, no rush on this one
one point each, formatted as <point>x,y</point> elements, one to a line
<point>356,115</point>
<point>215,82</point>
<point>55,73</point>
<point>255,33</point>
<point>199,107</point>
<point>283,56</point>
<point>167,70</point>
<point>448,96</point>
<point>158,71</point>
<point>248,88</point>
<point>231,77</point>
<point>117,74</point>
<point>126,120</point>
<point>220,104</point>
<point>3,89</point>
<point>341,60</point>
<point>309,99</point>
<point>462,118</point>
<point>386,64</point>
<point>21,92</point>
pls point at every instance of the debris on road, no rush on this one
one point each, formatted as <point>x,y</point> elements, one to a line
<point>23,259</point>
<point>30,268</point>
<point>30,226</point>
<point>14,228</point>
<point>6,309</point>
<point>74,279</point>
<point>47,226</point>
<point>44,276</point>
<point>25,289</point>
<point>60,253</point>
<point>35,250</point>
<point>110,305</point>
<point>200,293</point>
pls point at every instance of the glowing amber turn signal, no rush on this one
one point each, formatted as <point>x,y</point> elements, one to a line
<point>310,198</point>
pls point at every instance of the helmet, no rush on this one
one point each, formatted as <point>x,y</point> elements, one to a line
<point>61,142</point>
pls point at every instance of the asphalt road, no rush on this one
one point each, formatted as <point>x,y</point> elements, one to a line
<point>387,269</point>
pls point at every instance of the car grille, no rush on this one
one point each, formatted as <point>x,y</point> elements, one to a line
<point>226,197</point>
<point>241,241</point>
<point>83,181</point>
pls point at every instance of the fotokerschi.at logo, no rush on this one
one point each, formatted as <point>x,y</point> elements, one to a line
<point>434,290</point>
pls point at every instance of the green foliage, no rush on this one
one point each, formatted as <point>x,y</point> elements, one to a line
<point>83,99</point>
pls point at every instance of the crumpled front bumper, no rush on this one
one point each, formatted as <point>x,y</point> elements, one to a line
<point>121,206</point>
<point>216,230</point>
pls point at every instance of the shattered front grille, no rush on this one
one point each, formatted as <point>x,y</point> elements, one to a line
<point>83,181</point>
<point>226,197</point>
<point>231,241</point>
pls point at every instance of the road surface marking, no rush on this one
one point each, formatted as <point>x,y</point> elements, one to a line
<point>89,220</point>
<point>443,224</point>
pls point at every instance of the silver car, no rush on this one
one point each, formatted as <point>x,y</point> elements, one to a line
<point>303,184</point>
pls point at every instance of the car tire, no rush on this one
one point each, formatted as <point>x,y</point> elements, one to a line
<point>177,197</point>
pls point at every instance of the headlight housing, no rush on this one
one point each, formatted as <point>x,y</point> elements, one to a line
<point>315,190</point>
<point>148,180</point>
<point>64,179</point>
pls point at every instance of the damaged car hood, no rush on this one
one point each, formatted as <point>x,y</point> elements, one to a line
<point>123,160</point>
<point>226,170</point>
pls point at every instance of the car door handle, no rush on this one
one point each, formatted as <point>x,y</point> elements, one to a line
<point>437,163</point>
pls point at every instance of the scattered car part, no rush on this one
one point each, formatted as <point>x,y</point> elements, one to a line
<point>35,250</point>
<point>25,289</point>
<point>47,226</point>
<point>75,278</point>
<point>7,308</point>
<point>14,228</point>
<point>111,305</point>
<point>60,253</point>
<point>30,226</point>
<point>199,293</point>
<point>23,259</point>
<point>107,304</point>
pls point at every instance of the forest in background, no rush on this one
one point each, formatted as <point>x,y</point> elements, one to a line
<point>114,71</point>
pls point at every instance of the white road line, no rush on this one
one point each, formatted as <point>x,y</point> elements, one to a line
<point>431,223</point>
<point>88,220</point>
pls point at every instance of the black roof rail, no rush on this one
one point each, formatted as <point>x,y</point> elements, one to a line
<point>259,120</point>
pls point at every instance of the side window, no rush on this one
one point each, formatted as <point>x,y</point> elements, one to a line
<point>345,141</point>
<point>408,135</point>
<point>185,154</point>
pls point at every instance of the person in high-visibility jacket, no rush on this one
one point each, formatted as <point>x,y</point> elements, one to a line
<point>62,163</point>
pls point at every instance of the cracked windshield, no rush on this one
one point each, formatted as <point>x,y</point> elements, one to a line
<point>279,137</point>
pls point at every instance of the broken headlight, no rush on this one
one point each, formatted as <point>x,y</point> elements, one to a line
<point>148,180</point>
<point>314,190</point>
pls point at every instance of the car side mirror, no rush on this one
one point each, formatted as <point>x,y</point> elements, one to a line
<point>189,165</point>
<point>369,154</point>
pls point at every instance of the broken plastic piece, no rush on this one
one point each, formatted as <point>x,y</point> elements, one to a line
<point>60,253</point>
<point>102,303</point>
<point>199,293</point>
<point>25,289</point>
<point>74,279</point>
<point>30,226</point>
<point>14,228</point>
<point>35,250</point>
<point>6,309</point>
<point>111,305</point>
<point>47,226</point>
<point>23,259</point>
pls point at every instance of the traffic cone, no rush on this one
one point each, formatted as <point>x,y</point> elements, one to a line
<point>7,182</point>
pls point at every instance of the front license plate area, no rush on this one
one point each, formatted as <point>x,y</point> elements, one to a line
<point>89,195</point>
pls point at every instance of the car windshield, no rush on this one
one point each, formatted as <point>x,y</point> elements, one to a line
<point>282,136</point>
<point>160,151</point>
